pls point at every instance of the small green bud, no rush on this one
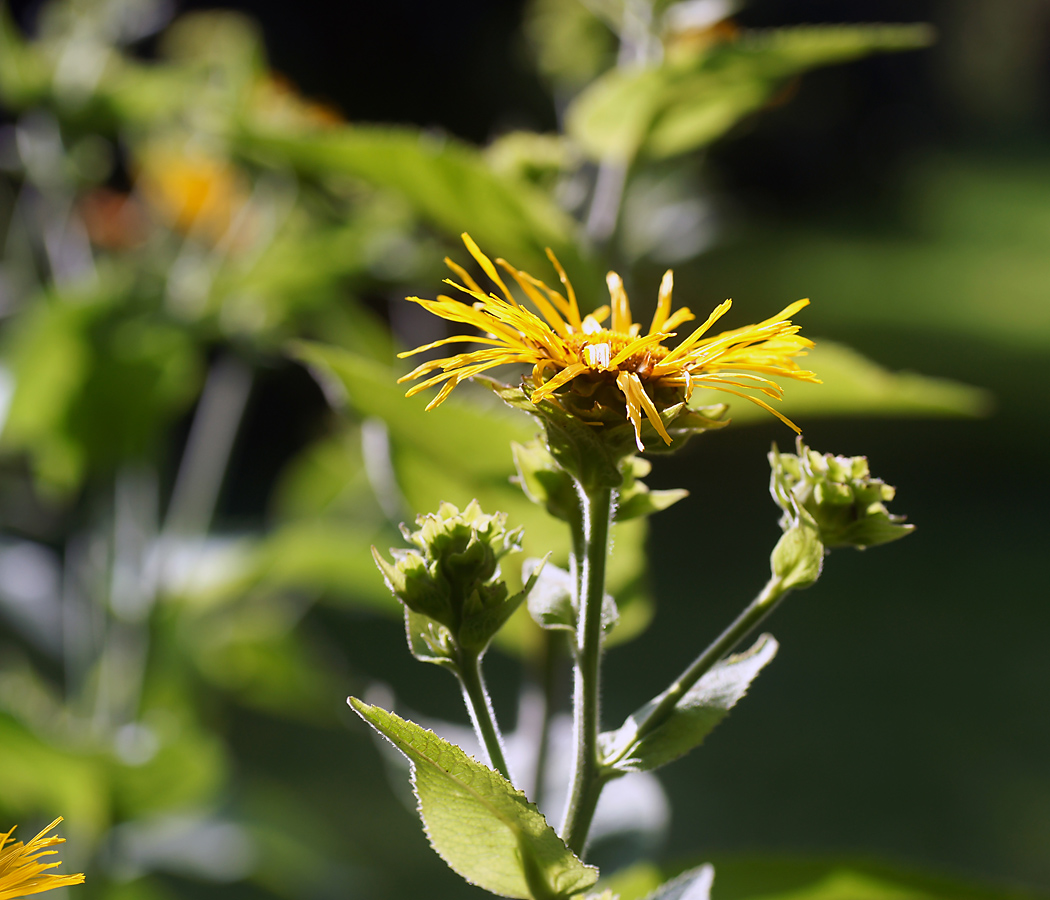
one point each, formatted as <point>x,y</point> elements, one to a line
<point>837,494</point>
<point>453,576</point>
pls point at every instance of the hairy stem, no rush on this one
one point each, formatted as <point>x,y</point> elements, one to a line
<point>476,698</point>
<point>741,626</point>
<point>587,779</point>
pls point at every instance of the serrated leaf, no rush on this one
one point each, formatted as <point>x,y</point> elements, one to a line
<point>695,715</point>
<point>483,827</point>
<point>692,885</point>
<point>691,100</point>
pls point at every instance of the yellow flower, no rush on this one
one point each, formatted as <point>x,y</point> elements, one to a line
<point>561,345</point>
<point>21,871</point>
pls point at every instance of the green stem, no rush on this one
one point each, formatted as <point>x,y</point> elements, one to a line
<point>747,621</point>
<point>587,777</point>
<point>479,706</point>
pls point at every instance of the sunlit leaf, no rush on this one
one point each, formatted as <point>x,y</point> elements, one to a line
<point>448,183</point>
<point>483,827</point>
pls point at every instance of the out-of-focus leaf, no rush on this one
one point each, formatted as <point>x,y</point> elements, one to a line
<point>188,769</point>
<point>571,44</point>
<point>691,100</point>
<point>91,387</point>
<point>40,776</point>
<point>483,827</point>
<point>856,386</point>
<point>449,184</point>
<point>23,72</point>
<point>317,556</point>
<point>457,435</point>
<point>692,885</point>
<point>695,715</point>
<point>805,878</point>
<point>254,650</point>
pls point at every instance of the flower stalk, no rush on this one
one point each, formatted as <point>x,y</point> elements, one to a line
<point>479,705</point>
<point>587,778</point>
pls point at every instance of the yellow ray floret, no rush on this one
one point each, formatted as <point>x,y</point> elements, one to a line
<point>21,871</point>
<point>560,344</point>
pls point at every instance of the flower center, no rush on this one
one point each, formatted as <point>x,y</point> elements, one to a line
<point>599,348</point>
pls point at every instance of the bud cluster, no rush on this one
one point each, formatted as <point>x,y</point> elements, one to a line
<point>452,574</point>
<point>839,494</point>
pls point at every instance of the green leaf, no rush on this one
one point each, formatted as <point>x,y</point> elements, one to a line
<point>483,827</point>
<point>855,386</point>
<point>692,885</point>
<point>694,98</point>
<point>449,184</point>
<point>695,715</point>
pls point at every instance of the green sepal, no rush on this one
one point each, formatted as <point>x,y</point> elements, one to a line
<point>544,482</point>
<point>635,499</point>
<point>430,641</point>
<point>477,822</point>
<point>695,714</point>
<point>481,624</point>
<point>694,884</point>
<point>589,434</point>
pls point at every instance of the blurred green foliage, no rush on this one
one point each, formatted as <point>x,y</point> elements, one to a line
<point>178,222</point>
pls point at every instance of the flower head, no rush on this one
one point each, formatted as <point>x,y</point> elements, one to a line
<point>21,871</point>
<point>573,353</point>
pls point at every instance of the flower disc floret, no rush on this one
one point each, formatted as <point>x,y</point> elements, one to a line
<point>565,348</point>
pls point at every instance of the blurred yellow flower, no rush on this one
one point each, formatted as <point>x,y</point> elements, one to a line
<point>21,871</point>
<point>563,345</point>
<point>191,191</point>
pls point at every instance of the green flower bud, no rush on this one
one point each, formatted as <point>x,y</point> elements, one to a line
<point>452,576</point>
<point>837,495</point>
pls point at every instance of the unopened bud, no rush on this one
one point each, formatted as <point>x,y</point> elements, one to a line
<point>837,494</point>
<point>452,576</point>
